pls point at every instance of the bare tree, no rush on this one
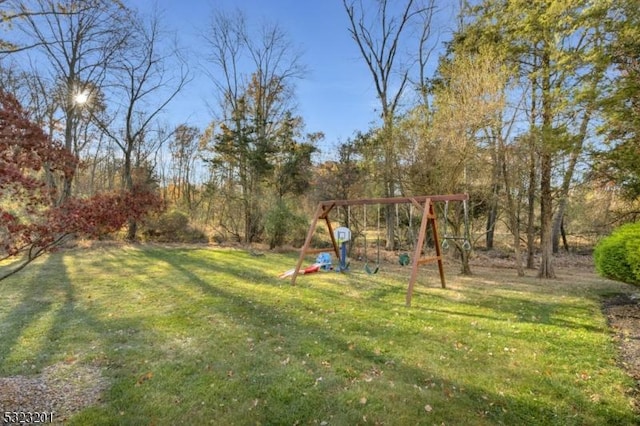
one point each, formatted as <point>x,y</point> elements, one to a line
<point>381,32</point>
<point>253,78</point>
<point>146,79</point>
<point>183,149</point>
<point>79,41</point>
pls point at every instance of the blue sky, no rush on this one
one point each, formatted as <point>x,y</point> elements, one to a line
<point>336,96</point>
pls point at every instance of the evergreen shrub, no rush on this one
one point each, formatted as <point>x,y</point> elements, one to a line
<point>617,256</point>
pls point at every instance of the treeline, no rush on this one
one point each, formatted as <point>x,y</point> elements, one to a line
<point>532,109</point>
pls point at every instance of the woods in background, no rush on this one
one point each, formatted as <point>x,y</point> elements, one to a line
<point>532,109</point>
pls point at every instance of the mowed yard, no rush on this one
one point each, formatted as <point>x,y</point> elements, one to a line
<point>147,335</point>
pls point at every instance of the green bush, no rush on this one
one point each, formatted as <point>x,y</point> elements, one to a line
<point>282,225</point>
<point>633,254</point>
<point>618,255</point>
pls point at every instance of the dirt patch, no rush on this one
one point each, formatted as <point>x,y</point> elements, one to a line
<point>62,389</point>
<point>623,313</point>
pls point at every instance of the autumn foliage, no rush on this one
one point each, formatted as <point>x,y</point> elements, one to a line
<point>33,220</point>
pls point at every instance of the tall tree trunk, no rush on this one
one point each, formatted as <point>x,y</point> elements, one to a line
<point>568,177</point>
<point>132,230</point>
<point>492,215</point>
<point>246,191</point>
<point>558,218</point>
<point>564,237</point>
<point>546,218</point>
<point>68,145</point>
<point>94,168</point>
<point>465,268</point>
<point>517,253</point>
<point>132,224</point>
<point>512,210</point>
<point>389,214</point>
<point>564,195</point>
<point>533,171</point>
<point>390,165</point>
<point>531,198</point>
<point>546,197</point>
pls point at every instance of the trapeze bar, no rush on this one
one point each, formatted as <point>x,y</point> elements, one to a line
<point>395,200</point>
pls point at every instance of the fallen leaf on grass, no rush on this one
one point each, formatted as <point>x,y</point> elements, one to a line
<point>146,376</point>
<point>584,375</point>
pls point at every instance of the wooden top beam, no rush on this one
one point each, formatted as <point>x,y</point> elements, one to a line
<point>395,200</point>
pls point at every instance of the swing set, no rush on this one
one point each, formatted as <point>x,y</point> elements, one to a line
<point>423,203</point>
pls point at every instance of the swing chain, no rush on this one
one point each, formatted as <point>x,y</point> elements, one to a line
<point>364,234</point>
<point>367,269</point>
<point>445,242</point>
<point>378,242</point>
<point>466,245</point>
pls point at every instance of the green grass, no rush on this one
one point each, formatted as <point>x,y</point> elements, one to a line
<point>208,336</point>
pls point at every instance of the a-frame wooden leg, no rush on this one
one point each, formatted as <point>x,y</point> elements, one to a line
<point>428,217</point>
<point>436,241</point>
<point>322,212</point>
<point>417,251</point>
<point>307,241</point>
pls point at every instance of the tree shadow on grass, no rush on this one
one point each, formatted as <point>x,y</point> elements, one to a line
<point>75,329</point>
<point>517,308</point>
<point>36,296</point>
<point>51,327</point>
<point>258,314</point>
<point>77,323</point>
<point>122,343</point>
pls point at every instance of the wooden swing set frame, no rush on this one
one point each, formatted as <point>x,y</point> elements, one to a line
<point>424,203</point>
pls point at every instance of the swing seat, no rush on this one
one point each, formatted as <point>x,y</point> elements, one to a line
<point>404,259</point>
<point>370,271</point>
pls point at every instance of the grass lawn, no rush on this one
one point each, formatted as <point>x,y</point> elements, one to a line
<point>212,336</point>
